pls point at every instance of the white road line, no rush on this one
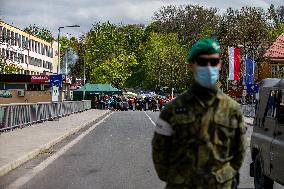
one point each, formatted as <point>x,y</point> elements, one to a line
<point>150,119</point>
<point>32,173</point>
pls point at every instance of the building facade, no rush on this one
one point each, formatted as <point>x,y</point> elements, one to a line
<point>31,54</point>
<point>273,66</point>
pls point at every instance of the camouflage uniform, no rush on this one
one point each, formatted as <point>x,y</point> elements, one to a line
<point>199,140</point>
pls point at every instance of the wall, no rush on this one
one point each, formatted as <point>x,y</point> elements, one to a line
<point>30,96</point>
<point>264,70</point>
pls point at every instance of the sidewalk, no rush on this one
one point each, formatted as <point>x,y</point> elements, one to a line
<point>21,145</point>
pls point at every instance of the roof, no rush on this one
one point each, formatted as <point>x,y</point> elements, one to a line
<point>269,82</point>
<point>276,50</point>
<point>98,88</point>
<point>280,84</point>
<point>2,23</point>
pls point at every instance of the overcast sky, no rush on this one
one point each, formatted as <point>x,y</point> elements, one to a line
<point>54,13</point>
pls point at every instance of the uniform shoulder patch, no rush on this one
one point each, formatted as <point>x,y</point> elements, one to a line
<point>163,127</point>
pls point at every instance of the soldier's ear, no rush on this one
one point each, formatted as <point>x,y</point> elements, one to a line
<point>191,65</point>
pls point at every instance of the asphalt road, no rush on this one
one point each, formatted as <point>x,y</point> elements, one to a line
<point>115,155</point>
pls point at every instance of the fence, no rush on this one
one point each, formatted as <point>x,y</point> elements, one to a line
<point>19,115</point>
<point>248,110</point>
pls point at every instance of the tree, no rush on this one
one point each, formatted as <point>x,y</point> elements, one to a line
<point>7,67</point>
<point>109,55</point>
<point>163,63</point>
<point>41,33</point>
<point>189,22</point>
<point>247,27</point>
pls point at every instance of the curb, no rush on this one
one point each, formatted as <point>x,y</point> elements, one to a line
<point>12,165</point>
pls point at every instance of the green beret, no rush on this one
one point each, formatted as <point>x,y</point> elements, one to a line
<point>203,46</point>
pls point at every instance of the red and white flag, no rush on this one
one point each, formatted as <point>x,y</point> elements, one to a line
<point>234,63</point>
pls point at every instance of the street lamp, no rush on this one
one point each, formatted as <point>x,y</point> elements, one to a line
<point>61,27</point>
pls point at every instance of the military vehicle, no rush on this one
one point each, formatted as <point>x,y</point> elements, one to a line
<point>267,140</point>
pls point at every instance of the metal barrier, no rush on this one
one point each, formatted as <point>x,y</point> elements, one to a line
<point>19,115</point>
<point>248,110</point>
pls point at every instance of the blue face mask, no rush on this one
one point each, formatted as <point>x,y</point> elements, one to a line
<point>207,76</point>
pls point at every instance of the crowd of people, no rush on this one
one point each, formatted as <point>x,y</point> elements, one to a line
<point>130,103</point>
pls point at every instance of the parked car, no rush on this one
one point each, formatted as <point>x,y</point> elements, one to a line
<point>267,140</point>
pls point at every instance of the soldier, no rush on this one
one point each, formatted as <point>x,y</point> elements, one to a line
<point>199,137</point>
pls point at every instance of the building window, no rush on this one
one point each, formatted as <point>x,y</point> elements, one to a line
<point>35,46</point>
<point>32,45</point>
<point>20,41</point>
<point>3,52</point>
<point>7,54</point>
<point>38,47</point>
<point>281,71</point>
<point>12,38</point>
<point>13,54</point>
<point>271,104</point>
<point>45,50</point>
<point>1,34</point>
<point>24,42</point>
<point>277,71</point>
<point>16,39</point>
<point>16,57</point>
<point>8,37</point>
<point>28,44</point>
<point>51,53</point>
<point>14,86</point>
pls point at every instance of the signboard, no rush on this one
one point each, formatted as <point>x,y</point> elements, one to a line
<point>56,85</point>
<point>40,78</point>
<point>56,80</point>
<point>67,80</point>
<point>55,94</point>
<point>252,88</point>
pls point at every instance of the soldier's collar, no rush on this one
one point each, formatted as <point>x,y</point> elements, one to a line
<point>205,97</point>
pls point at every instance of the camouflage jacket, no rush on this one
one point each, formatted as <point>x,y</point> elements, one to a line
<point>199,135</point>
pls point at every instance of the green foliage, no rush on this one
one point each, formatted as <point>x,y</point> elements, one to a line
<point>8,68</point>
<point>153,57</point>
<point>115,70</point>
<point>41,33</point>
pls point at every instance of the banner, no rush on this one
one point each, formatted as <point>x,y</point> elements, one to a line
<point>40,78</point>
<point>250,69</point>
<point>234,63</point>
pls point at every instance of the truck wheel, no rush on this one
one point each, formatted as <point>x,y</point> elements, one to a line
<point>260,180</point>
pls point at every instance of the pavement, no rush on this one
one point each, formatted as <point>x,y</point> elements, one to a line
<point>21,145</point>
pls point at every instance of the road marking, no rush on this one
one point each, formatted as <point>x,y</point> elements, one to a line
<point>32,173</point>
<point>150,118</point>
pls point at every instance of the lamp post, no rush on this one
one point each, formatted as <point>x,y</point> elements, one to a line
<point>58,66</point>
<point>61,27</point>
